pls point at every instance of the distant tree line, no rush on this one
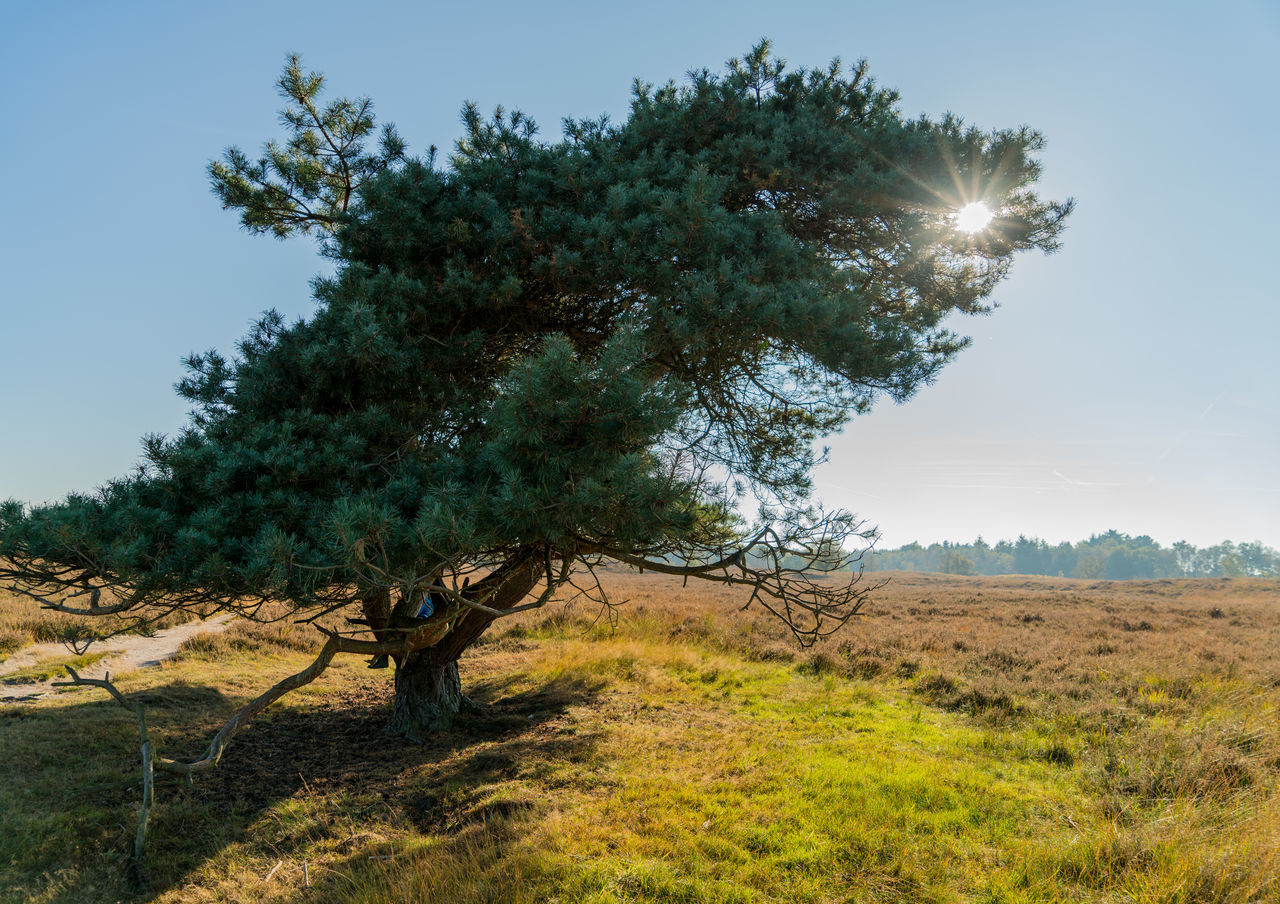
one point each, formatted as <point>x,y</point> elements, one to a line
<point>1112,555</point>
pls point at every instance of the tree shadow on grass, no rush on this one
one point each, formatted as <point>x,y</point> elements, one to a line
<point>338,743</point>
<point>330,755</point>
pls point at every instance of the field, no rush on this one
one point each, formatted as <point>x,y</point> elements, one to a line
<point>966,739</point>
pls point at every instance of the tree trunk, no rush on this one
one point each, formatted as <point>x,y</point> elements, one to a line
<point>428,695</point>
<point>428,690</point>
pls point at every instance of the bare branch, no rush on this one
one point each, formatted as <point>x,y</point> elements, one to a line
<point>780,574</point>
<point>148,763</point>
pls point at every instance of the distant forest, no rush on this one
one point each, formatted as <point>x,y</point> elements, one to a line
<point>1113,556</point>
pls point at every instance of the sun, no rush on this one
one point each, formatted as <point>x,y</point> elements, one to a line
<point>973,217</point>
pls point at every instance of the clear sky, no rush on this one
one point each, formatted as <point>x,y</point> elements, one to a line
<point>1129,382</point>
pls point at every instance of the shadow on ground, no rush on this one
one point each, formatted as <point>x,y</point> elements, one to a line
<point>339,743</point>
<point>317,752</point>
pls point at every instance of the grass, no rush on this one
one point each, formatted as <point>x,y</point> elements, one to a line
<point>971,739</point>
<point>23,621</point>
<point>53,667</point>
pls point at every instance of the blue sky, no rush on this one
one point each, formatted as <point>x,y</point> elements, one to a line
<point>1128,382</point>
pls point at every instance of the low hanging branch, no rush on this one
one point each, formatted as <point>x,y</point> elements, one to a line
<point>151,762</point>
<point>401,639</point>
<point>810,609</point>
<point>124,605</point>
<point>334,644</point>
<point>781,575</point>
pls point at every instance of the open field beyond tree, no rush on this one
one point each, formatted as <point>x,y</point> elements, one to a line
<point>964,739</point>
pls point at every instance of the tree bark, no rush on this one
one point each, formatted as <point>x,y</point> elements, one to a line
<point>428,688</point>
<point>428,695</point>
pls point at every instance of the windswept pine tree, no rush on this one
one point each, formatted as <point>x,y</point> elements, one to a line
<point>543,355</point>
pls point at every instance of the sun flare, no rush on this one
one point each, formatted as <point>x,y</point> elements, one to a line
<point>973,217</point>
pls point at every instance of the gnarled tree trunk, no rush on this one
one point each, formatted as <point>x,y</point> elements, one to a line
<point>428,694</point>
<point>428,688</point>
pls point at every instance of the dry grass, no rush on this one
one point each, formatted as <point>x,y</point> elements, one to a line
<point>1163,696</point>
<point>279,635</point>
<point>1089,655</point>
<point>24,621</point>
<point>967,739</point>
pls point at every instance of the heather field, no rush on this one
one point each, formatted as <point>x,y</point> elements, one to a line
<point>965,739</point>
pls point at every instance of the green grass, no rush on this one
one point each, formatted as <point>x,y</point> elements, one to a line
<point>663,763</point>
<point>752,782</point>
<point>47,669</point>
<point>709,778</point>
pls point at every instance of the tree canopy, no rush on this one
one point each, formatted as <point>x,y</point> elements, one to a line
<point>624,344</point>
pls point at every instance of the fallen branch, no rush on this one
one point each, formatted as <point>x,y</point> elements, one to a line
<point>151,763</point>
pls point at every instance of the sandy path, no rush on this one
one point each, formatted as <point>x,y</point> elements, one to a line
<point>124,653</point>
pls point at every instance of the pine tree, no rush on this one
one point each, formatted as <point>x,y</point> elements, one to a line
<point>539,356</point>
